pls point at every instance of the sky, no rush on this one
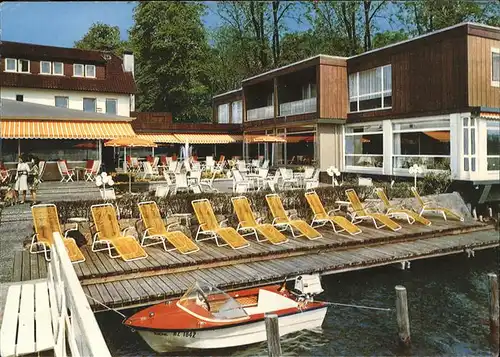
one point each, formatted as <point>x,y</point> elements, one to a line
<point>63,23</point>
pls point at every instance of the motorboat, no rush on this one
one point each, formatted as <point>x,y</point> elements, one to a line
<point>206,317</point>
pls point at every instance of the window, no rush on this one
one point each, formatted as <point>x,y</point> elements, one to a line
<point>58,68</point>
<point>23,66</point>
<point>425,143</point>
<point>493,145</point>
<point>89,104</point>
<point>223,111</point>
<point>61,102</point>
<point>20,97</point>
<point>90,70</point>
<point>469,144</point>
<point>111,105</point>
<point>78,70</point>
<point>45,67</point>
<point>10,65</point>
<point>364,146</point>
<point>495,67</point>
<point>237,112</point>
<point>371,89</point>
<point>309,91</point>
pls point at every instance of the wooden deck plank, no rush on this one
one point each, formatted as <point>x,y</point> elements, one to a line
<point>17,266</point>
<point>35,273</point>
<point>42,267</point>
<point>130,289</point>
<point>26,267</point>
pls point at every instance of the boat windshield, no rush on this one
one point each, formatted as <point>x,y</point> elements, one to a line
<point>210,303</point>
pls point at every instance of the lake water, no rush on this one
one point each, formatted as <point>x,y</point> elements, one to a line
<point>448,306</point>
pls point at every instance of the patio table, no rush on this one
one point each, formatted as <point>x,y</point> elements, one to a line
<point>186,217</point>
<point>77,169</point>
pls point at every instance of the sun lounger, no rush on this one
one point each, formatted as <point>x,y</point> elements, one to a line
<point>321,217</point>
<point>281,219</point>
<point>396,211</point>
<point>247,222</point>
<point>359,213</point>
<point>430,206</point>
<point>155,230</point>
<point>46,222</point>
<point>212,229</point>
<point>109,234</point>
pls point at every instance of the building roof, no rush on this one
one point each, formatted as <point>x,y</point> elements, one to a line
<point>116,79</point>
<point>11,109</point>
<point>228,92</point>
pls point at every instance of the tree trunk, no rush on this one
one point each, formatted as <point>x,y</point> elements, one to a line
<point>367,36</point>
<point>276,36</point>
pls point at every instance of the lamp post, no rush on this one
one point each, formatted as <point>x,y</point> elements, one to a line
<point>101,181</point>
<point>333,171</point>
<point>415,170</point>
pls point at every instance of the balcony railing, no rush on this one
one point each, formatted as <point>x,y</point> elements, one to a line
<point>260,113</point>
<point>298,107</point>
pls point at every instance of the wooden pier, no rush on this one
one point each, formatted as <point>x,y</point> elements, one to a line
<point>164,275</point>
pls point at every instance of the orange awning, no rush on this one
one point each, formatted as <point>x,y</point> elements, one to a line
<point>48,129</point>
<point>208,138</point>
<point>265,139</point>
<point>160,138</point>
<point>443,136</point>
<point>130,142</point>
<point>485,115</point>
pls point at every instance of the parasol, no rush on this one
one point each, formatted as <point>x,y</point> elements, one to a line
<point>130,142</point>
<point>265,139</point>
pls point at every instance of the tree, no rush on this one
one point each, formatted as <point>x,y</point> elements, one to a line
<point>385,38</point>
<point>102,37</point>
<point>172,51</point>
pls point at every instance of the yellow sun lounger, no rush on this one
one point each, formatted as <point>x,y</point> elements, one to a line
<point>108,234</point>
<point>281,220</point>
<point>212,229</point>
<point>46,222</point>
<point>321,217</point>
<point>155,230</point>
<point>247,222</point>
<point>395,211</point>
<point>429,206</point>
<point>359,213</point>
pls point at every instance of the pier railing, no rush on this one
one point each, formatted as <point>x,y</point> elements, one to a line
<point>74,322</point>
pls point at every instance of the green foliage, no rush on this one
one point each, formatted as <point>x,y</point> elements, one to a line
<point>385,38</point>
<point>172,51</point>
<point>434,183</point>
<point>102,37</point>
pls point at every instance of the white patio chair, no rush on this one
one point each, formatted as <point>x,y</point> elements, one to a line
<point>196,166</point>
<point>308,172</point>
<point>155,162</point>
<point>170,184</point>
<point>239,183</point>
<point>66,174</point>
<point>194,177</point>
<point>287,178</point>
<point>148,170</point>
<point>162,191</point>
<point>41,169</point>
<point>187,165</point>
<point>181,182</point>
<point>312,182</point>
<point>207,184</point>
<point>265,164</point>
<point>135,165</point>
<point>241,166</point>
<point>273,181</point>
<point>209,163</point>
<point>172,165</point>
<point>255,164</point>
<point>90,174</point>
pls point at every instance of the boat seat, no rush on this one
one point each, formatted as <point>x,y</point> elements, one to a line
<point>270,302</point>
<point>27,320</point>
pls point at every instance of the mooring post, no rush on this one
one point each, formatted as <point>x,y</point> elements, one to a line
<point>402,316</point>
<point>494,334</point>
<point>273,335</point>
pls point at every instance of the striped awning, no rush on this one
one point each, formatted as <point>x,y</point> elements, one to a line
<point>49,129</point>
<point>160,138</point>
<point>495,116</point>
<point>209,138</point>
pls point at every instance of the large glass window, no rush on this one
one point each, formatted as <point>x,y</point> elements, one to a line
<point>90,70</point>
<point>89,104</point>
<point>425,143</point>
<point>371,89</point>
<point>495,67</point>
<point>23,66</point>
<point>237,112</point>
<point>111,106</point>
<point>78,70</point>
<point>493,145</point>
<point>469,143</point>
<point>223,113</point>
<point>61,102</point>
<point>364,146</point>
<point>300,145</point>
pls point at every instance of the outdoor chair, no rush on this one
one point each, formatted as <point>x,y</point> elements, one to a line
<point>194,178</point>
<point>181,183</point>
<point>313,182</point>
<point>241,166</point>
<point>248,223</point>
<point>265,164</point>
<point>155,230</point>
<point>209,227</point>
<point>221,163</point>
<point>4,176</point>
<point>148,170</point>
<point>394,211</point>
<point>155,162</point>
<point>196,166</point>
<point>322,217</point>
<point>283,221</point>
<point>42,164</point>
<point>172,166</point>
<point>273,181</point>
<point>287,178</point>
<point>66,174</point>
<point>108,234</point>
<point>46,222</point>
<point>208,184</point>
<point>209,163</point>
<point>91,173</point>
<point>135,165</point>
<point>187,165</point>
<point>255,164</point>
<point>240,185</point>
<point>170,184</point>
<point>309,172</point>
<point>162,191</point>
<point>360,213</point>
<point>431,206</point>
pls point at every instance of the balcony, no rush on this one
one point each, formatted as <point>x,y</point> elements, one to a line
<point>298,107</point>
<point>260,113</point>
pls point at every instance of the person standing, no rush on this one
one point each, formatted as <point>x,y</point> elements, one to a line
<point>33,179</point>
<point>22,178</point>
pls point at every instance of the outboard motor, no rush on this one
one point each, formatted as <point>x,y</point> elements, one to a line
<point>306,286</point>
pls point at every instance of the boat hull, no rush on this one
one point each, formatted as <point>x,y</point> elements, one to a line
<point>237,335</point>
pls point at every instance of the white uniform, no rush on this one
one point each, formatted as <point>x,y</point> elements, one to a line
<point>22,177</point>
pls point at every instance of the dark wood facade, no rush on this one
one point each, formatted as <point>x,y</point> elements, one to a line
<point>445,72</point>
<point>332,91</point>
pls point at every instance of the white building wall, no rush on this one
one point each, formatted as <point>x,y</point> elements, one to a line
<point>47,97</point>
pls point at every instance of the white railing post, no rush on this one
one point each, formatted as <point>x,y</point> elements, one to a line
<point>82,331</point>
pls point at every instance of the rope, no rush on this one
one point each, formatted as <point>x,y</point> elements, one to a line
<point>357,306</point>
<point>107,307</point>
